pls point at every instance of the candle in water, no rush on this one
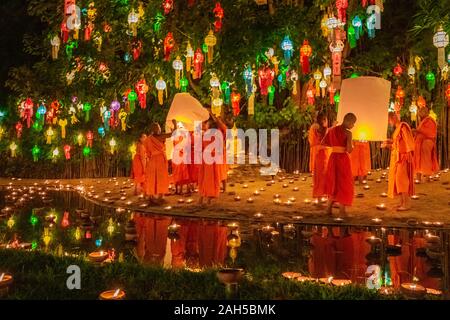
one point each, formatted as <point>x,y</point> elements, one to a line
<point>116,293</point>
<point>381,206</point>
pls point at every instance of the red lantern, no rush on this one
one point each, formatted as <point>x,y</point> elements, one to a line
<point>169,43</point>
<point>341,6</point>
<point>305,54</point>
<point>265,77</point>
<point>168,6</point>
<point>136,48</point>
<point>88,31</point>
<point>89,138</point>
<point>398,70</point>
<point>27,111</point>
<point>19,128</point>
<point>67,151</point>
<point>198,63</point>
<point>64,31</point>
<point>332,91</point>
<point>235,100</point>
<point>218,14</point>
<point>447,94</point>
<point>65,220</point>
<point>310,95</point>
<point>400,96</point>
<point>52,116</point>
<point>142,89</point>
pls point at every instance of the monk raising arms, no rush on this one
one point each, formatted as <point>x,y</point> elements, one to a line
<point>156,170</point>
<point>339,171</point>
<point>401,167</point>
<point>425,155</point>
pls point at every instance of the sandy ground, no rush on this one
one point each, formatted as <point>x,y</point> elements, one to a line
<point>295,202</point>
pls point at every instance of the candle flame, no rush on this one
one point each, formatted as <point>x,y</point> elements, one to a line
<point>2,276</point>
<point>330,279</point>
<point>116,293</point>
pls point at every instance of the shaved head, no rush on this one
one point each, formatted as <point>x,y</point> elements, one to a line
<point>349,120</point>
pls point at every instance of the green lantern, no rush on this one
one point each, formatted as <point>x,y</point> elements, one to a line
<point>132,97</point>
<point>33,219</point>
<point>226,92</point>
<point>183,84</point>
<point>86,151</point>
<point>431,80</point>
<point>35,151</point>
<point>87,108</point>
<point>271,91</point>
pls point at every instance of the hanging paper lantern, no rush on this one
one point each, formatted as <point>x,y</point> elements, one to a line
<point>317,76</point>
<point>142,89</point>
<point>331,92</point>
<point>136,48</point>
<point>132,97</point>
<point>101,131</point>
<point>80,139</point>
<point>214,82</point>
<point>198,64</point>
<point>177,65</point>
<point>27,111</point>
<point>288,48</point>
<point>89,138</point>
<point>411,72</point>
<point>86,151</point>
<point>127,57</point>
<point>167,6</point>
<point>49,134</point>
<point>310,95</point>
<point>440,41</point>
<point>324,27</point>
<point>13,148</point>
<point>183,84</point>
<point>65,220</point>
<point>218,14</point>
<point>133,19</point>
<point>336,49</point>
<point>305,54</point>
<point>123,119</point>
<point>351,35</point>
<point>235,103</point>
<point>294,79</point>
<point>106,117</point>
<point>216,106</point>
<point>447,94</point>
<point>210,41</point>
<point>431,80</point>
<point>63,123</point>
<point>41,111</point>
<point>400,96</point>
<point>413,111</point>
<point>323,85</point>
<point>189,57</point>
<point>86,109</point>
<point>266,76</point>
<point>370,23</point>
<point>56,43</point>
<point>275,62</point>
<point>357,25</point>
<point>169,43</point>
<point>55,154</point>
<point>161,86</point>
<point>248,78</point>
<point>35,152</point>
<point>398,70</point>
<point>112,145</point>
<point>271,94</point>
<point>66,151</point>
<point>226,91</point>
<point>19,128</point>
<point>341,6</point>
<point>327,72</point>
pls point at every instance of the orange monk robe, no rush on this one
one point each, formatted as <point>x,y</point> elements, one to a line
<point>425,155</point>
<point>209,176</point>
<point>360,158</point>
<point>224,166</point>
<point>318,158</point>
<point>339,170</point>
<point>212,244</point>
<point>180,172</point>
<point>193,167</point>
<point>401,168</point>
<point>152,238</point>
<point>323,258</point>
<point>137,168</point>
<point>156,171</point>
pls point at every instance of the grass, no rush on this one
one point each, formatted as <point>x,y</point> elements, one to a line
<point>42,276</point>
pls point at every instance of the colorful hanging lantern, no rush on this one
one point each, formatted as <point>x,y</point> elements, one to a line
<point>112,145</point>
<point>413,111</point>
<point>142,89</point>
<point>86,151</point>
<point>411,72</point>
<point>133,19</point>
<point>106,117</point>
<point>19,128</point>
<point>248,78</point>
<point>66,151</point>
<point>351,35</point>
<point>49,134</point>
<point>177,65</point>
<point>305,54</point>
<point>89,138</point>
<point>357,25</point>
<point>132,97</point>
<point>198,64</point>
<point>266,76</point>
<point>341,6</point>
<point>310,95</point>
<point>323,85</point>
<point>189,57</point>
<point>331,93</point>
<point>327,72</point>
<point>41,111</point>
<point>398,70</point>
<point>63,123</point>
<point>123,119</point>
<point>447,95</point>
<point>27,111</point>
<point>183,84</point>
<point>55,154</point>
<point>400,96</point>
<point>218,14</point>
<point>136,49</point>
<point>287,47</point>
<point>56,43</point>
<point>271,94</point>
<point>440,41</point>
<point>167,6</point>
<point>323,26</point>
<point>214,82</point>
<point>35,152</point>
<point>431,80</point>
<point>210,41</point>
<point>216,106</point>
<point>169,43</point>
<point>235,103</point>
<point>370,23</point>
<point>317,76</point>
<point>13,149</point>
<point>161,86</point>
<point>294,79</point>
<point>101,131</point>
<point>80,139</point>
<point>226,92</point>
<point>65,220</point>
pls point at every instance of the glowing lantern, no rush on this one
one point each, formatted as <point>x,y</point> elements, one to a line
<point>183,84</point>
<point>168,6</point>
<point>19,128</point>
<point>49,134</point>
<point>189,57</point>
<point>351,35</point>
<point>27,111</point>
<point>161,87</point>
<point>398,70</point>
<point>77,233</point>
<point>214,82</point>
<point>248,78</point>
<point>65,220</point>
<point>440,41</point>
<point>413,111</point>
<point>305,54</point>
<point>431,80</point>
<point>327,72</point>
<point>13,148</point>
<point>46,237</point>
<point>133,19</point>
<point>142,89</point>
<point>56,43</point>
<point>341,6</point>
<point>2,132</point>
<point>331,92</point>
<point>317,76</point>
<point>136,48</point>
<point>336,49</point>
<point>235,101</point>
<point>411,72</point>
<point>67,151</point>
<point>198,63</point>
<point>169,43</point>
<point>271,94</point>
<point>218,14</point>
<point>132,97</point>
<point>210,41</point>
<point>11,222</point>
<point>371,22</point>
<point>80,139</point>
<point>123,119</point>
<point>89,138</point>
<point>288,48</point>
<point>357,25</point>
<point>178,67</point>
<point>55,154</point>
<point>86,151</point>
<point>216,106</point>
<point>63,123</point>
<point>310,95</point>
<point>106,117</point>
<point>266,76</point>
<point>33,219</point>
<point>400,96</point>
<point>35,151</point>
<point>323,26</point>
<point>112,144</point>
<point>110,227</point>
<point>447,94</point>
<point>226,92</point>
<point>323,85</point>
<point>294,79</point>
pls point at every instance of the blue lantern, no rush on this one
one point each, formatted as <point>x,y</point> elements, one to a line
<point>106,117</point>
<point>98,242</point>
<point>357,25</point>
<point>248,78</point>
<point>41,111</point>
<point>101,132</point>
<point>288,48</point>
<point>127,57</point>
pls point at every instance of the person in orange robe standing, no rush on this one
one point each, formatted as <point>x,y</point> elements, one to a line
<point>193,168</point>
<point>425,155</point>
<point>339,170</point>
<point>138,165</point>
<point>360,158</point>
<point>401,168</point>
<point>318,155</point>
<point>180,171</point>
<point>156,170</point>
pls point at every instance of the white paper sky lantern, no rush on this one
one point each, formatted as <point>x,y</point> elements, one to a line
<point>368,99</point>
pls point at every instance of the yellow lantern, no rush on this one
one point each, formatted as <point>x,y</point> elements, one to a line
<point>11,222</point>
<point>49,134</point>
<point>133,150</point>
<point>112,144</point>
<point>13,148</point>
<point>161,86</point>
<point>210,41</point>
<point>216,107</point>
<point>77,233</point>
<point>133,19</point>
<point>178,67</point>
<point>2,132</point>
<point>317,76</point>
<point>110,227</point>
<point>275,63</point>
<point>189,56</point>
<point>63,123</point>
<point>46,237</point>
<point>80,139</point>
<point>294,79</point>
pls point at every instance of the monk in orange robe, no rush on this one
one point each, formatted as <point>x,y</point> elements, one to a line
<point>339,169</point>
<point>156,170</point>
<point>360,158</point>
<point>401,168</point>
<point>318,155</point>
<point>138,165</point>
<point>180,171</point>
<point>152,238</point>
<point>425,155</point>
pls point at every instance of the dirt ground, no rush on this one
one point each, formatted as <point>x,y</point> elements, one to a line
<point>294,202</point>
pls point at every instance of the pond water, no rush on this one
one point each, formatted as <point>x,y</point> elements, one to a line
<point>61,222</point>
